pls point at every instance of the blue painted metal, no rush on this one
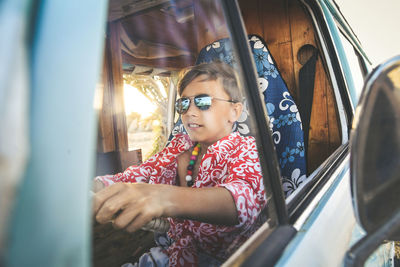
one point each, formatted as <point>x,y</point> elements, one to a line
<point>51,223</point>
<point>325,235</point>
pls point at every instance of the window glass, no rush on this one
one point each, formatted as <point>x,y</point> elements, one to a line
<point>353,58</point>
<point>149,46</point>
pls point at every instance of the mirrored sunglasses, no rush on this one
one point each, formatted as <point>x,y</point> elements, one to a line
<point>203,102</point>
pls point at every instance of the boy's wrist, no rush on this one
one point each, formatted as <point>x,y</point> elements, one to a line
<point>169,203</point>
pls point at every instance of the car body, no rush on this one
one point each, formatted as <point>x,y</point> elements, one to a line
<point>67,108</point>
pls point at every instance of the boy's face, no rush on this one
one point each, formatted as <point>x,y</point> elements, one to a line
<point>208,126</point>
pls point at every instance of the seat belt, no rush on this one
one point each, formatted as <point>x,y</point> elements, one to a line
<point>306,87</point>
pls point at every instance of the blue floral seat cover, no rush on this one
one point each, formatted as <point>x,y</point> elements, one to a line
<point>285,121</point>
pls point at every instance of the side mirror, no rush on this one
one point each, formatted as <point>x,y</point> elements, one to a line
<point>375,161</point>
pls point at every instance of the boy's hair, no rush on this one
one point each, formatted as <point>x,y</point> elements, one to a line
<point>213,71</point>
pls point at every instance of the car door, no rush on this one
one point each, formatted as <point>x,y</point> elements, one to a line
<point>310,226</point>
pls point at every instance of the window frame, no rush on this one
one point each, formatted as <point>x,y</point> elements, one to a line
<point>270,168</point>
<point>362,61</point>
<point>277,225</point>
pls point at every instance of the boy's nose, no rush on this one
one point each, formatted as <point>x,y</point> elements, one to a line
<point>192,110</point>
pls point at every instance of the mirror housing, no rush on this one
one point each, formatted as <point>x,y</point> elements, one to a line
<point>375,159</point>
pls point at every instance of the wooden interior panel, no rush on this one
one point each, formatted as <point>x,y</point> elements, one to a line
<point>113,135</point>
<point>286,27</point>
<point>129,158</point>
<point>302,33</point>
<point>116,161</point>
<point>158,27</point>
<point>168,63</point>
<point>117,84</point>
<point>318,141</point>
<point>272,24</point>
<point>275,21</point>
<point>279,41</point>
<point>106,139</point>
<point>210,22</point>
<point>251,15</point>
<point>285,58</point>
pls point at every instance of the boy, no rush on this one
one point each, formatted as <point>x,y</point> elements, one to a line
<point>207,183</point>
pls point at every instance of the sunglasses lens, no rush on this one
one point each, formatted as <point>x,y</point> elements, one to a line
<point>203,102</point>
<point>182,105</point>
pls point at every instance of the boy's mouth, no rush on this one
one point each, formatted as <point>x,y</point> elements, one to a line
<point>193,125</point>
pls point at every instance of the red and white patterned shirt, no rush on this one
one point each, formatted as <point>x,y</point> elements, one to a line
<point>232,163</point>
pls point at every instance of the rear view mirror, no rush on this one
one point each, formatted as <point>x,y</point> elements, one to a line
<point>375,160</point>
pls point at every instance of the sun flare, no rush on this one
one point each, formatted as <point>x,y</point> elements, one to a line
<point>135,101</point>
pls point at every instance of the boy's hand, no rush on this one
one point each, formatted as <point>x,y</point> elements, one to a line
<point>130,206</point>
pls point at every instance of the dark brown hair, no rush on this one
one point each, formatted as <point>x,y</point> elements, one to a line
<point>212,71</point>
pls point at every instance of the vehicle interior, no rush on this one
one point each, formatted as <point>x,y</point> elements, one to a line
<point>149,42</point>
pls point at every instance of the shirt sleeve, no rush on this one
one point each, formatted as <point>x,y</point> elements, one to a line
<point>143,172</point>
<point>133,174</point>
<point>245,183</point>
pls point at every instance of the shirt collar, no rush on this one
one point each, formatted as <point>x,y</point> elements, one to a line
<point>216,147</point>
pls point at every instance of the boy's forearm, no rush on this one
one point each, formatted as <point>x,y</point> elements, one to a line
<point>131,206</point>
<point>212,205</point>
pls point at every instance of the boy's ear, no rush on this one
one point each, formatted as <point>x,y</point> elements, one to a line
<point>236,111</point>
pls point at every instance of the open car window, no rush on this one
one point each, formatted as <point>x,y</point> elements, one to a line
<point>147,47</point>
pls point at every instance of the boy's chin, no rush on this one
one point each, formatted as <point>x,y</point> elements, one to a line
<point>195,137</point>
<point>203,141</point>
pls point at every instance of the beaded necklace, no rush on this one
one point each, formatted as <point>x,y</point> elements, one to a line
<point>190,167</point>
